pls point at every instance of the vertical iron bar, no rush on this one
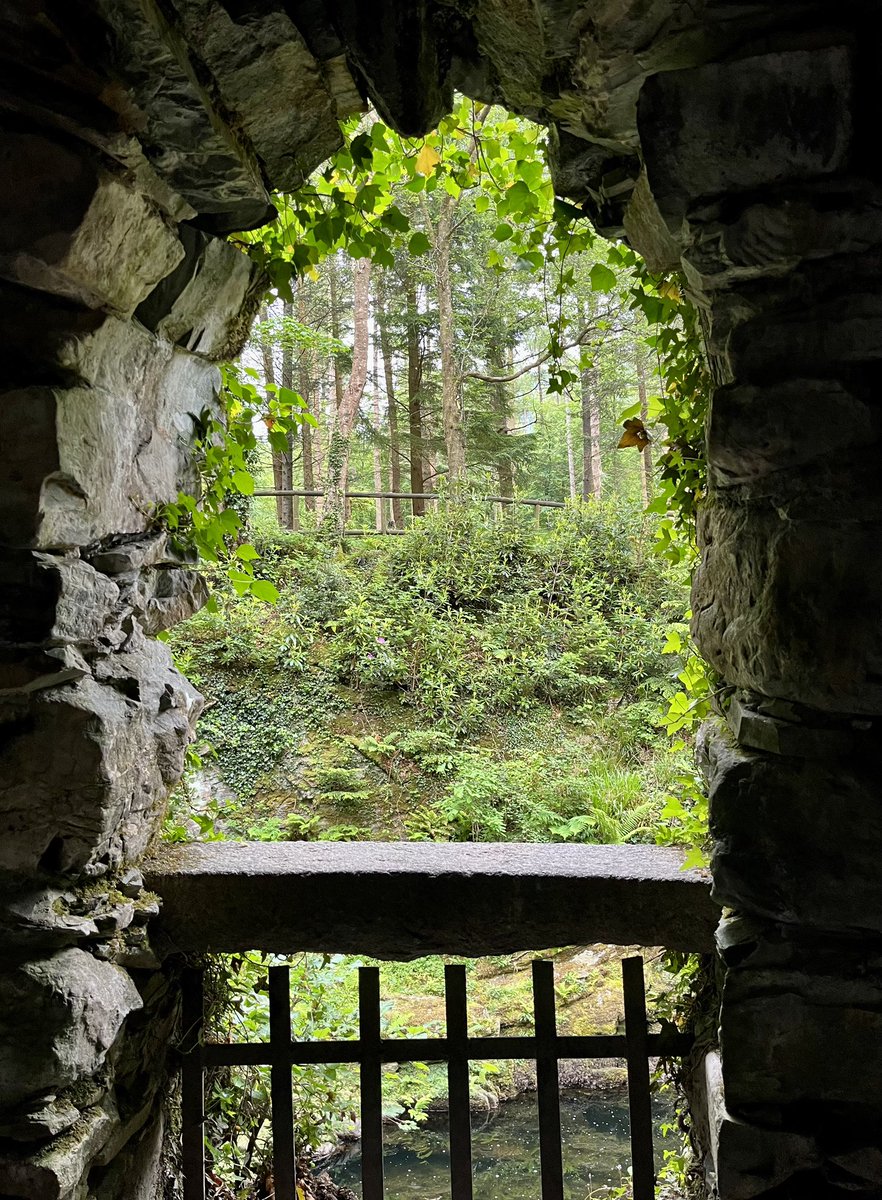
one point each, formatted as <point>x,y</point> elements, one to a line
<point>280,1084</point>
<point>639,1104</point>
<point>458,1083</point>
<point>548,1094</point>
<point>192,1085</point>
<point>371,1083</point>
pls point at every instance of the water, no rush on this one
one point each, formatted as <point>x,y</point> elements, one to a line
<point>505,1151</point>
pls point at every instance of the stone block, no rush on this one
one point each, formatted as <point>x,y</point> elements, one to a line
<point>69,223</point>
<point>39,1121</point>
<point>169,101</point>
<point>405,900</point>
<point>152,586</point>
<point>789,608</point>
<point>801,1033</point>
<point>41,920</point>
<point>797,734</point>
<point>58,1170</point>
<point>207,303</point>
<point>748,123</point>
<point>60,1017</point>
<point>83,609</point>
<point>743,1160</point>
<point>272,85</point>
<point>766,238</point>
<point>758,431</point>
<point>107,450</point>
<point>647,231</point>
<point>838,330</point>
<point>399,61</point>
<point>781,846</point>
<point>87,766</point>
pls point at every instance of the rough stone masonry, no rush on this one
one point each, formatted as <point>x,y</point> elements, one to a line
<point>735,139</point>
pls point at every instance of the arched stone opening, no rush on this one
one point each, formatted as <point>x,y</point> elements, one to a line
<point>734,138</point>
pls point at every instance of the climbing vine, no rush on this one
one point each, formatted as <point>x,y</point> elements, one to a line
<point>209,522</point>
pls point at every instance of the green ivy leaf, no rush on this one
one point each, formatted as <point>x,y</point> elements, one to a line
<point>394,218</point>
<point>243,482</point>
<point>602,278</point>
<point>419,244</point>
<point>262,589</point>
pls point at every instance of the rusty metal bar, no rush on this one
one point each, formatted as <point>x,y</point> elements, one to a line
<point>612,1045</point>
<point>371,1083</point>
<point>547,1088</point>
<point>280,1084</point>
<point>192,1085</point>
<point>639,1102</point>
<point>460,1117</point>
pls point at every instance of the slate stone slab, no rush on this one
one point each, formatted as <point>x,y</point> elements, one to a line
<point>404,900</point>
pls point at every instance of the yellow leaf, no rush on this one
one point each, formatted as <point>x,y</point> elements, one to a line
<point>427,159</point>
<point>670,291</point>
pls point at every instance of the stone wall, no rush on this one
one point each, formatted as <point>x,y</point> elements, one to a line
<point>118,298</point>
<point>733,138</point>
<point>758,168</point>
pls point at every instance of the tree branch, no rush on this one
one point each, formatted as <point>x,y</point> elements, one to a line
<point>531,366</point>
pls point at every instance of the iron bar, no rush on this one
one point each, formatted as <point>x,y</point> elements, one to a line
<point>192,1085</point>
<point>547,1087</point>
<point>460,1117</point>
<point>285,1183</point>
<point>371,1083</point>
<point>639,1102</point>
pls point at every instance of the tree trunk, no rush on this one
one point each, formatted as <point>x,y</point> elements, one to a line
<point>571,462</point>
<point>646,455</point>
<point>591,474</point>
<point>504,467</point>
<point>380,503</point>
<point>335,328</point>
<point>305,383</point>
<point>287,456</point>
<point>269,376</point>
<point>414,399</point>
<point>391,403</point>
<point>334,514</point>
<point>451,412</point>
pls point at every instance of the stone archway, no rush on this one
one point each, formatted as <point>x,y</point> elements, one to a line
<point>733,138</point>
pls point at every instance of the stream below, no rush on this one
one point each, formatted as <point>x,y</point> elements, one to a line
<point>505,1150</point>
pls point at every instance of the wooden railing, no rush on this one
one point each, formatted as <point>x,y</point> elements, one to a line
<point>370,1050</point>
<point>383,524</point>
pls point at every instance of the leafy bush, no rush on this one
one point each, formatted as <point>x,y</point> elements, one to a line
<point>421,655</point>
<point>536,798</point>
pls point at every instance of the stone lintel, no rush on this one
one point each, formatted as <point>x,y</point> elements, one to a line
<point>401,900</point>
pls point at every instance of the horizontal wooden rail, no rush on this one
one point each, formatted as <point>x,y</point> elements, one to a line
<point>295,492</point>
<point>401,900</point>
